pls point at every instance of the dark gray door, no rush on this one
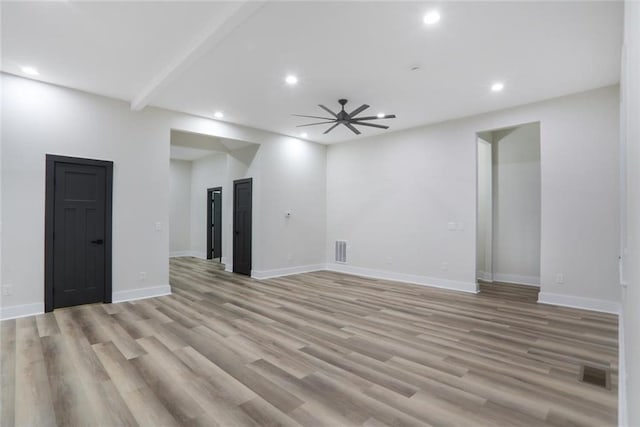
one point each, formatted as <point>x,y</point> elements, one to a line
<point>214,223</point>
<point>217,224</point>
<point>242,226</point>
<point>79,226</point>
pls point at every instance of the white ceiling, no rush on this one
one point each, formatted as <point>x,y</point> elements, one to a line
<point>193,146</point>
<point>205,56</point>
<point>189,154</point>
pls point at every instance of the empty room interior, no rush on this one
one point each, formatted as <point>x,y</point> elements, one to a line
<point>312,213</point>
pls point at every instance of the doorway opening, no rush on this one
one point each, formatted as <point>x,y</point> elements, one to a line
<point>214,223</point>
<point>78,200</point>
<point>508,207</point>
<point>200,217</point>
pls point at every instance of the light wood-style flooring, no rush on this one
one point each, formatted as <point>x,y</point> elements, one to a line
<point>312,349</point>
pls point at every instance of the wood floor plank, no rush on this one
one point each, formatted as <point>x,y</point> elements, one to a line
<point>315,349</point>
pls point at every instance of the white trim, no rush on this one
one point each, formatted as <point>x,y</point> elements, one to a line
<point>178,254</point>
<point>454,285</point>
<point>194,254</point>
<point>142,293</point>
<point>16,311</point>
<point>517,279</point>
<point>484,276</point>
<point>279,272</point>
<point>228,267</point>
<point>623,415</point>
<point>604,306</point>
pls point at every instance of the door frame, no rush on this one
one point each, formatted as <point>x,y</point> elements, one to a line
<point>210,192</point>
<point>235,183</point>
<point>51,161</point>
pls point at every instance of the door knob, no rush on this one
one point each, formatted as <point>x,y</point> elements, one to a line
<point>98,241</point>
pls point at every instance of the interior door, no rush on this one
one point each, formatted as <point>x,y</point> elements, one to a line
<point>217,224</point>
<point>214,223</point>
<point>79,256</point>
<point>242,226</point>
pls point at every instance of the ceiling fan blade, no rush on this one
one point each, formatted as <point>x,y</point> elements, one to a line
<point>371,125</point>
<point>331,128</point>
<point>313,124</point>
<point>328,111</point>
<point>354,130</point>
<point>386,116</point>
<point>358,110</point>
<point>313,117</point>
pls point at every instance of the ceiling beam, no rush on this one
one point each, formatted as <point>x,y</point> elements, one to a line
<point>213,34</point>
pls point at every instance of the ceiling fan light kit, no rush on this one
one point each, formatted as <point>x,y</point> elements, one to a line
<point>349,120</point>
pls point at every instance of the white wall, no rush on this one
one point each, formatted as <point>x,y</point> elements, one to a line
<point>293,179</point>
<point>516,204</point>
<point>392,197</point>
<point>484,243</point>
<point>179,207</point>
<point>40,118</point>
<point>207,172</point>
<point>630,320</point>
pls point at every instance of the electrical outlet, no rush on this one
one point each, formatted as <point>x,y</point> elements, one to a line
<point>7,290</point>
<point>142,276</point>
<point>289,257</point>
<point>444,266</point>
<point>389,260</point>
<point>559,278</point>
<point>158,226</point>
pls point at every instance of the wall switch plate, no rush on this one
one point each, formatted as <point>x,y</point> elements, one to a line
<point>158,226</point>
<point>451,226</point>
<point>7,290</point>
<point>560,278</point>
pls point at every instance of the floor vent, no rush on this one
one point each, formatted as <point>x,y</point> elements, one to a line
<point>595,376</point>
<point>341,251</point>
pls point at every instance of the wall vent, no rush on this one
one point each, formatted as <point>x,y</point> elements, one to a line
<point>341,251</point>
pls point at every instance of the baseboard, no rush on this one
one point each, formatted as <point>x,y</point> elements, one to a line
<point>623,416</point>
<point>142,293</point>
<point>603,306</point>
<point>484,276</point>
<point>279,272</point>
<point>194,254</point>
<point>453,285</point>
<point>24,310</point>
<point>228,267</point>
<point>178,254</point>
<point>517,279</point>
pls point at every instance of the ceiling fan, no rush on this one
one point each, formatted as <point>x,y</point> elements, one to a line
<point>348,119</point>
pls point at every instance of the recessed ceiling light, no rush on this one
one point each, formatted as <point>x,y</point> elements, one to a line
<point>381,115</point>
<point>304,135</point>
<point>291,79</point>
<point>218,114</point>
<point>30,71</point>
<point>431,17</point>
<point>497,87</point>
